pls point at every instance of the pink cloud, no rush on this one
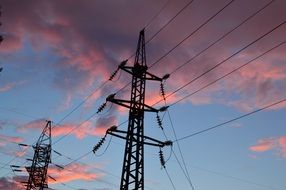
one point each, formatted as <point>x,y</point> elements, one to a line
<point>6,183</point>
<point>12,43</point>
<point>263,145</point>
<point>36,124</point>
<point>20,153</point>
<point>10,86</point>
<point>4,139</point>
<point>273,143</point>
<point>79,131</point>
<point>282,145</point>
<point>92,51</point>
<point>86,129</point>
<point>71,173</point>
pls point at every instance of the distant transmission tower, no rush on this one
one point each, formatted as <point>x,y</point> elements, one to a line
<point>42,157</point>
<point>133,163</point>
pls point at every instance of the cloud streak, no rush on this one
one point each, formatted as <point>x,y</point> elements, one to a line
<point>4,139</point>
<point>273,143</point>
<point>72,172</point>
<point>80,130</point>
<point>92,51</point>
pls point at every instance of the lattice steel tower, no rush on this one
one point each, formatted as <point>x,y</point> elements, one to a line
<point>133,161</point>
<point>42,157</point>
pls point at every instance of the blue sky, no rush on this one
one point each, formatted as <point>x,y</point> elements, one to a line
<point>56,53</point>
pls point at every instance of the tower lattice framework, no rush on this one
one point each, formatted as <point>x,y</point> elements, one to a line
<point>42,157</point>
<point>132,177</point>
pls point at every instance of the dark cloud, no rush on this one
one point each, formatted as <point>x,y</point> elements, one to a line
<point>89,38</point>
<point>11,183</point>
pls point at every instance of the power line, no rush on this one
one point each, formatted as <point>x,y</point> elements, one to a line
<point>183,170</point>
<point>154,35</point>
<point>233,177</point>
<point>158,59</point>
<point>17,112</point>
<point>152,19</point>
<point>225,60</point>
<point>165,25</point>
<point>223,36</point>
<point>8,163</point>
<point>169,21</point>
<point>182,41</point>
<point>211,82</point>
<point>157,14</point>
<point>227,74</point>
<point>70,113</point>
<point>232,120</point>
<point>82,102</point>
<point>104,83</point>
<point>100,180</point>
<point>240,67</point>
<point>178,161</point>
<point>177,140</point>
<point>192,33</point>
<point>75,128</point>
<point>180,151</point>
<point>170,179</point>
<point>81,157</point>
<point>74,160</point>
<point>215,42</point>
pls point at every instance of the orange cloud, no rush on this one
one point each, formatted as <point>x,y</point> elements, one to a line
<point>9,86</point>
<point>282,144</point>
<point>78,130</point>
<point>6,183</point>
<point>97,50</point>
<point>71,173</point>
<point>22,152</point>
<point>5,138</point>
<point>266,144</point>
<point>87,128</point>
<point>35,124</point>
<point>263,145</point>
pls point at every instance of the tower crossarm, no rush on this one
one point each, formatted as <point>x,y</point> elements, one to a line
<point>147,140</point>
<point>127,104</point>
<point>138,70</point>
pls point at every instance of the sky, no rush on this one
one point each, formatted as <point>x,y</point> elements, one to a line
<point>226,59</point>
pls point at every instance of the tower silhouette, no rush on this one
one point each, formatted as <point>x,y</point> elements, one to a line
<point>42,157</point>
<point>133,162</point>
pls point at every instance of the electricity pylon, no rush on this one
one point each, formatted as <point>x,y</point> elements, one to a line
<point>133,162</point>
<point>42,157</point>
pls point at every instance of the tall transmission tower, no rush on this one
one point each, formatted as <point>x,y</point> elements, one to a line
<point>42,157</point>
<point>133,162</point>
